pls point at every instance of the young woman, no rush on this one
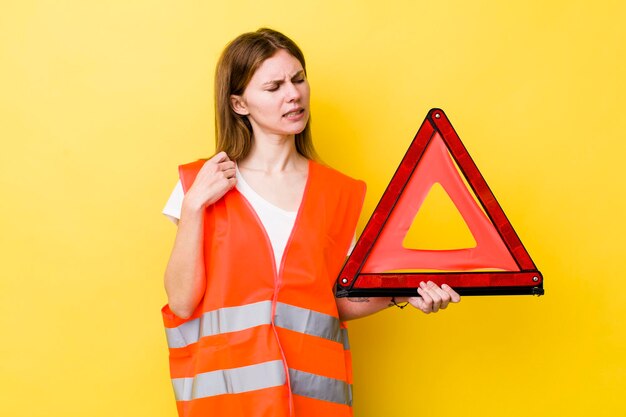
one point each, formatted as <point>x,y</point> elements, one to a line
<point>252,323</point>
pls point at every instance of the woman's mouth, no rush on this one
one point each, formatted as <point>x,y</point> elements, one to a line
<point>294,114</point>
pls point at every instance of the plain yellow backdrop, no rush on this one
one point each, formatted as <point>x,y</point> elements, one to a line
<point>101,100</point>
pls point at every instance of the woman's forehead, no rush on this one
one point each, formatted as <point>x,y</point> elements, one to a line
<point>279,66</point>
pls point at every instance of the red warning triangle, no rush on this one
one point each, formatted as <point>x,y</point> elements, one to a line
<point>498,264</point>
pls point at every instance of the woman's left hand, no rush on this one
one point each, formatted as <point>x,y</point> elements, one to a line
<point>433,297</point>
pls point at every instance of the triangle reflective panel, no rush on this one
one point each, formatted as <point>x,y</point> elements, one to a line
<point>381,264</point>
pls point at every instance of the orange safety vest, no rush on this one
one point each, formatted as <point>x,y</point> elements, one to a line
<point>268,342</point>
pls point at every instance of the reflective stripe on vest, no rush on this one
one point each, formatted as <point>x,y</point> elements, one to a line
<point>223,320</point>
<point>260,376</point>
<point>232,319</point>
<point>230,381</point>
<point>307,321</point>
<point>320,387</point>
<point>344,339</point>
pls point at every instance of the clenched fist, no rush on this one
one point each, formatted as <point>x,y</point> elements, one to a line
<point>214,179</point>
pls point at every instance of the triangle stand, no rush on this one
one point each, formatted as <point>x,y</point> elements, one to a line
<point>380,266</point>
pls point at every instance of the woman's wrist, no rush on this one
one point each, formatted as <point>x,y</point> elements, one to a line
<point>191,208</point>
<point>399,302</point>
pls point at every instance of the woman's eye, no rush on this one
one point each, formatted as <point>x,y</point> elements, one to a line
<point>273,87</point>
<point>299,80</point>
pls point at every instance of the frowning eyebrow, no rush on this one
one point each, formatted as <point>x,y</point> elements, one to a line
<point>296,75</point>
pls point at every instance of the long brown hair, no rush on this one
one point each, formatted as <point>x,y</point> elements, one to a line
<point>237,64</point>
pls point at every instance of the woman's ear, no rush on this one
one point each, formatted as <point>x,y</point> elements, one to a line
<point>239,105</point>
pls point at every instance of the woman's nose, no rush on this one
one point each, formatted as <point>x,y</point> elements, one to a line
<point>292,92</point>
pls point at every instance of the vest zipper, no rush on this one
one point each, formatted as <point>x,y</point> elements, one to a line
<point>278,274</point>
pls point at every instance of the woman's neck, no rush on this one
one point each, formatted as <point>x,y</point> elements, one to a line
<point>273,154</point>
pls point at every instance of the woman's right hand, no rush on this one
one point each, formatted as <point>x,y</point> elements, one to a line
<point>215,178</point>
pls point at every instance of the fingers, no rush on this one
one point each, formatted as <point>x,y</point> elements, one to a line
<point>219,157</point>
<point>423,303</point>
<point>227,167</point>
<point>220,164</point>
<point>438,297</point>
<point>454,296</point>
<point>434,298</point>
<point>216,177</point>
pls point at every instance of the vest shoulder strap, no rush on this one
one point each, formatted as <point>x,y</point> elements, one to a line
<point>332,173</point>
<point>347,188</point>
<point>188,173</point>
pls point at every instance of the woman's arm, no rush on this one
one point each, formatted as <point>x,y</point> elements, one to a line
<point>351,308</point>
<point>185,280</point>
<point>432,298</point>
<point>184,275</point>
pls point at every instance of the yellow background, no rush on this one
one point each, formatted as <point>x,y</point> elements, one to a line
<point>101,100</point>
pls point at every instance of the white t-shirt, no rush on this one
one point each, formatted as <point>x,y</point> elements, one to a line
<point>277,222</point>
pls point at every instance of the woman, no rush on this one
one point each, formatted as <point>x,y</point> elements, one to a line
<point>252,323</point>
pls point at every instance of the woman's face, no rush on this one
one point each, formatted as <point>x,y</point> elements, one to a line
<point>276,100</point>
